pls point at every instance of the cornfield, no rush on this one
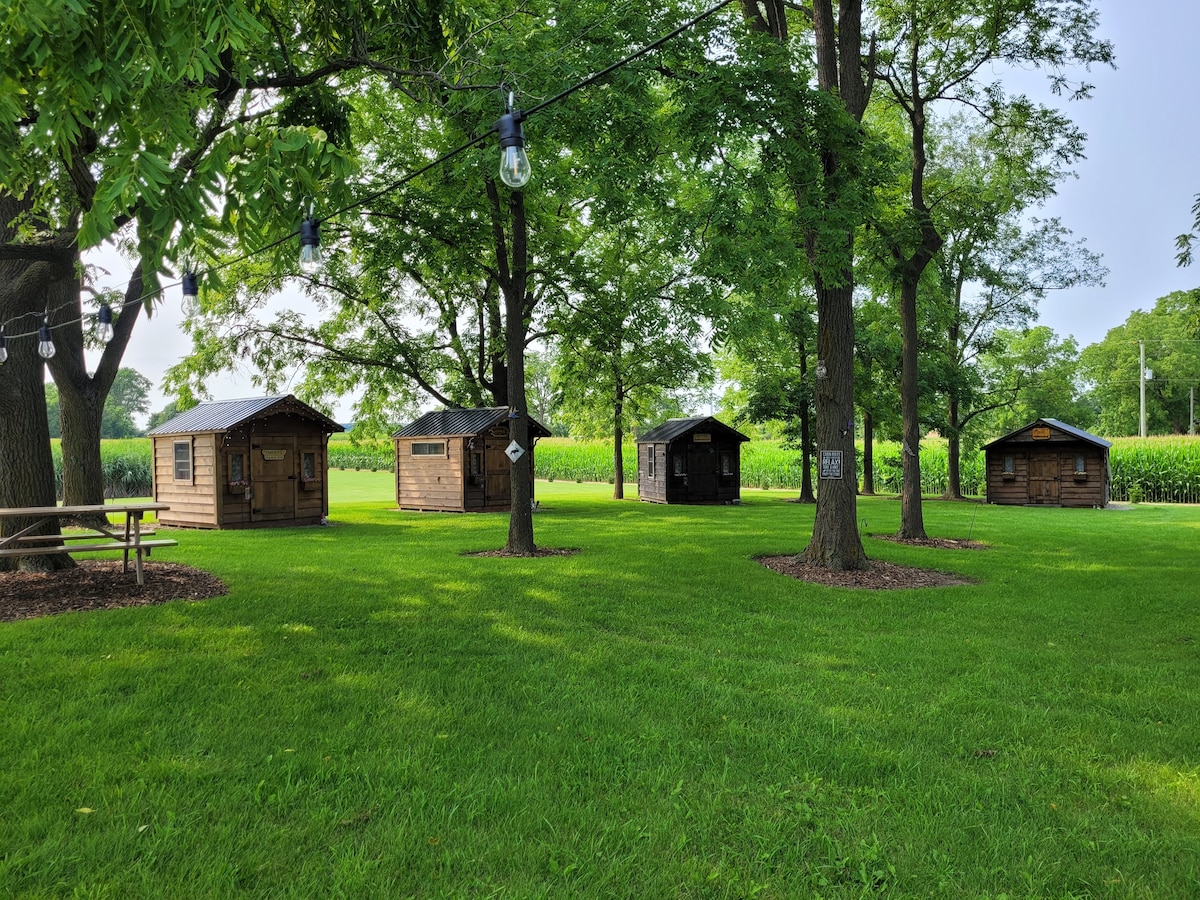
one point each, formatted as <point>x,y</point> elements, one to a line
<point>372,456</point>
<point>1157,470</point>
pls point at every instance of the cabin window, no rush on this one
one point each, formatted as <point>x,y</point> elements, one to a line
<point>429,448</point>
<point>679,462</point>
<point>1080,465</point>
<point>727,464</point>
<point>650,460</point>
<point>237,468</point>
<point>308,467</point>
<point>1008,465</point>
<point>183,461</point>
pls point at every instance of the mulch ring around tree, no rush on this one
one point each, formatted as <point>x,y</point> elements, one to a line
<point>100,584</point>
<point>879,575</point>
<point>540,551</point>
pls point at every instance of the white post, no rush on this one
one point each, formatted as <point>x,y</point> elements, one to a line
<point>1142,385</point>
<point>1192,412</point>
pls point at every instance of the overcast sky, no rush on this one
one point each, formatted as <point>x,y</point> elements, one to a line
<point>1133,193</point>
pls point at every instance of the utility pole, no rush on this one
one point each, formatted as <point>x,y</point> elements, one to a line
<point>1142,385</point>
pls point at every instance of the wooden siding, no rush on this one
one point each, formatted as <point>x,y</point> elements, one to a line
<point>192,503</point>
<point>1044,474</point>
<point>652,490</point>
<point>701,480</point>
<point>430,482</point>
<point>209,501</point>
<point>447,483</point>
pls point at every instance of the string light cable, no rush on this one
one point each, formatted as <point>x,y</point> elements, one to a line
<point>308,230</point>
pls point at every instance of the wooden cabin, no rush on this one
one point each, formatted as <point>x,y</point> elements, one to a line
<point>454,460</point>
<point>695,460</point>
<point>244,464</point>
<point>1048,463</point>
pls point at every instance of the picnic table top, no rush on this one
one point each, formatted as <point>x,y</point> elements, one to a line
<point>121,507</point>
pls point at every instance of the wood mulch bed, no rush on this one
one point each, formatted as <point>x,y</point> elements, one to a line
<point>540,551</point>
<point>879,575</point>
<point>100,584</point>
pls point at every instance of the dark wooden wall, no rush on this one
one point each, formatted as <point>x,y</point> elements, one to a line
<point>1044,474</point>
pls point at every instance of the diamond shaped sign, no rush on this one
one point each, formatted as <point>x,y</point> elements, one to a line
<point>514,451</point>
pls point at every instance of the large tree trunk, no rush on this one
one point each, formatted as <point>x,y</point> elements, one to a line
<point>27,289</point>
<point>618,447</point>
<point>835,540</point>
<point>868,482</point>
<point>912,521</point>
<point>516,314</point>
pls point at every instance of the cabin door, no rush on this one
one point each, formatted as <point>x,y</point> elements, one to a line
<point>497,482</point>
<point>1043,478</point>
<point>702,473</point>
<point>273,469</point>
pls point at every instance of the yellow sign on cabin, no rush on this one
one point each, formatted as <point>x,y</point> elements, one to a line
<point>274,455</point>
<point>1041,433</point>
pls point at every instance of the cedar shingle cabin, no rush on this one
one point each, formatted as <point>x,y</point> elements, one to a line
<point>1048,463</point>
<point>244,464</point>
<point>453,460</point>
<point>695,460</point>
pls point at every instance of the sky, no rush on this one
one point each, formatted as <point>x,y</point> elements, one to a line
<point>1132,195</point>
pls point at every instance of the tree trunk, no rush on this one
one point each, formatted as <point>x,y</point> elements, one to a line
<point>82,412</point>
<point>618,448</point>
<point>912,521</point>
<point>953,451</point>
<point>868,482</point>
<point>835,540</point>
<point>516,315</point>
<point>806,448</point>
<point>26,463</point>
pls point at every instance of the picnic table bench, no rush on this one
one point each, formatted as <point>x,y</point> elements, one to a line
<point>127,537</point>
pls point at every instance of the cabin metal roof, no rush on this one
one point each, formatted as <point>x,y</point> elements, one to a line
<point>463,422</point>
<point>1061,426</point>
<point>673,428</point>
<point>221,415</point>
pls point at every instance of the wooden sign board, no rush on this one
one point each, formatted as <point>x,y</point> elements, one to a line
<point>1041,433</point>
<point>702,438</point>
<point>274,454</point>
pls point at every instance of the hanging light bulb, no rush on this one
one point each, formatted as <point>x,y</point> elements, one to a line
<point>311,257</point>
<point>3,348</point>
<point>514,164</point>
<point>45,342</point>
<point>104,328</point>
<point>191,294</point>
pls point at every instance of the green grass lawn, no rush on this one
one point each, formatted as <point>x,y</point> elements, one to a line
<point>370,713</point>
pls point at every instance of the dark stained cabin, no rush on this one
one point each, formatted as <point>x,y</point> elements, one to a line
<point>1048,463</point>
<point>454,460</point>
<point>244,464</point>
<point>696,460</point>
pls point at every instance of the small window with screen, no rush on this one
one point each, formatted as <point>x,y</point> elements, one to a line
<point>429,448</point>
<point>183,461</point>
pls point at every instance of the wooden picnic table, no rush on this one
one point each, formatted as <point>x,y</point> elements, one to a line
<point>126,536</point>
